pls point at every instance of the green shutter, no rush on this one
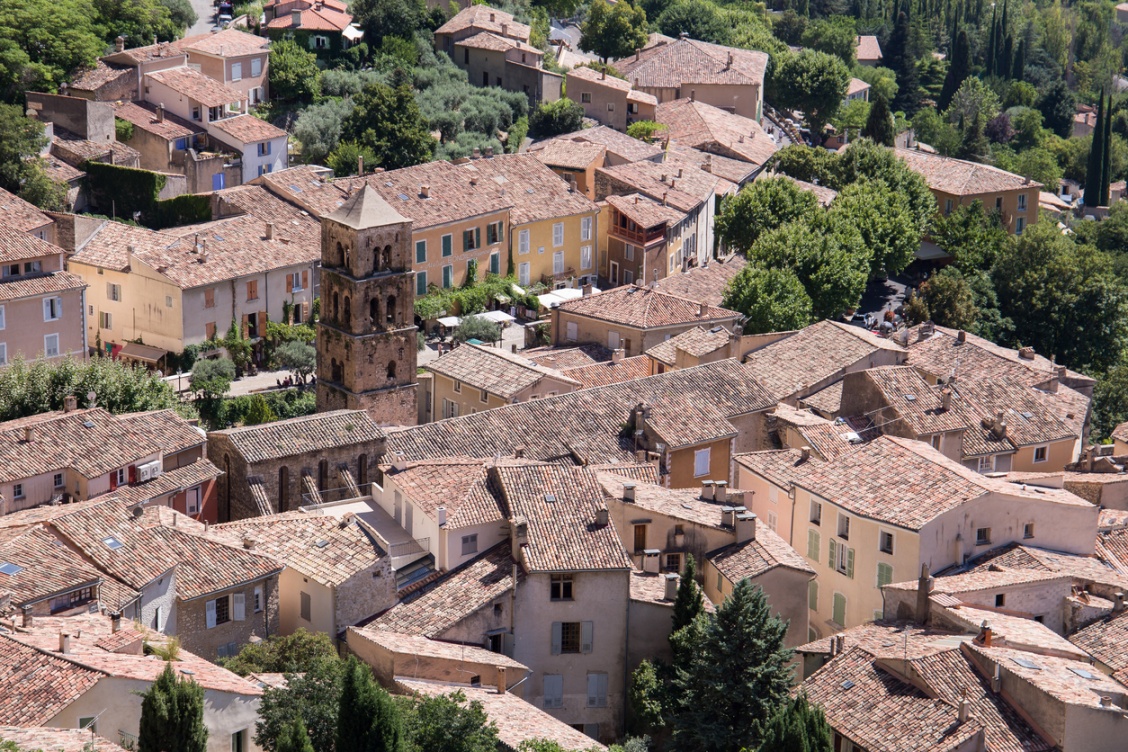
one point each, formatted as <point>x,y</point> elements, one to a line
<point>813,595</point>
<point>833,552</point>
<point>839,612</point>
<point>466,240</point>
<point>495,263</point>
<point>477,237</point>
<point>448,241</point>
<point>850,563</point>
<point>813,545</point>
<point>884,574</point>
<point>421,283</point>
<point>421,252</point>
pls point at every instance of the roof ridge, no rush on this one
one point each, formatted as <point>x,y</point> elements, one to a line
<point>68,657</point>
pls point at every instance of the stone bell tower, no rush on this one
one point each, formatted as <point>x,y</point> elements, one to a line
<point>366,336</point>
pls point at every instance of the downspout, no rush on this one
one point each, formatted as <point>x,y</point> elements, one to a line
<point>85,334</point>
<point>791,532</point>
<point>627,657</point>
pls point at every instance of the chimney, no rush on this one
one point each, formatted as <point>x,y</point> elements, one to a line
<point>501,688</point>
<point>519,451</point>
<point>721,492</point>
<point>29,434</point>
<point>963,709</point>
<point>745,527</point>
<point>119,44</point>
<point>160,112</point>
<point>425,191</point>
<point>505,29</point>
<point>728,63</point>
<point>603,75</point>
<point>28,619</point>
<point>360,164</point>
<point>804,454</point>
<point>1026,353</point>
<point>513,348</point>
<point>492,16</point>
<point>708,490</point>
<point>601,517</point>
<point>727,514</point>
<point>671,587</point>
<point>70,403</point>
<point>700,309</point>
<point>679,172</point>
<point>1106,701</point>
<point>441,512</point>
<point>295,19</point>
<point>946,399</point>
<point>248,543</point>
<point>399,462</point>
<point>693,95</point>
<point>586,289</point>
<point>985,635</point>
<point>270,231</point>
<point>840,644</point>
<point>665,198</point>
<point>476,153</point>
<point>473,180</point>
<point>64,642</point>
<point>489,152</point>
<point>638,56</point>
<point>617,355</point>
<point>1118,606</point>
<point>961,337</point>
<point>115,622</point>
<point>924,587</point>
<point>997,679</point>
<point>833,647</point>
<point>629,492</point>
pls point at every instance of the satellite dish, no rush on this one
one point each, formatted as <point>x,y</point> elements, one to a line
<point>138,511</point>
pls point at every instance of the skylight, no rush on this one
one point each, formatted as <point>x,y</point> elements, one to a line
<point>550,498</point>
<point>1083,673</point>
<point>10,569</point>
<point>847,684</point>
<point>1027,664</point>
<point>87,424</point>
<point>112,543</point>
<point>321,543</point>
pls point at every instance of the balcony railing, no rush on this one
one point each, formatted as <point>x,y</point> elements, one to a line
<point>330,495</point>
<point>557,276</point>
<point>637,237</point>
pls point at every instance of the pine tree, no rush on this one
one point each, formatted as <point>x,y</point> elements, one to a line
<point>798,727</point>
<point>1106,154</point>
<point>903,63</point>
<point>1094,168</point>
<point>293,738</point>
<point>172,716</point>
<point>367,718</point>
<point>958,69</point>
<point>690,601</point>
<point>1018,68</point>
<point>989,61</point>
<point>879,123</point>
<point>973,145</point>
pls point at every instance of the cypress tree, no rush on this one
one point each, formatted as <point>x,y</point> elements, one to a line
<point>1018,68</point>
<point>1094,168</point>
<point>903,64</point>
<point>1106,154</point>
<point>1008,57</point>
<point>294,738</point>
<point>172,716</point>
<point>799,726</point>
<point>367,718</point>
<point>989,61</point>
<point>958,69</point>
<point>973,145</point>
<point>879,124</point>
<point>690,601</point>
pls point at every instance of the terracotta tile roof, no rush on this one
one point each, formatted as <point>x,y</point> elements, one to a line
<point>925,484</point>
<point>536,192</point>
<point>323,18</point>
<point>573,155</point>
<point>820,351</point>
<point>610,372</point>
<point>19,215</point>
<point>961,178</point>
<point>676,503</point>
<point>485,18</point>
<point>1104,639</point>
<point>1120,433</point>
<point>458,483</point>
<point>855,87</point>
<point>640,472</point>
<point>827,400</point>
<point>1053,676</point>
<point>454,596</point>
<point>229,42</point>
<point>169,482</point>
<point>560,504</point>
<point>616,143</point>
<point>696,342</point>
<point>1012,631</point>
<point>883,637</point>
<point>1112,547</point>
<point>17,245</point>
<point>586,424</point>
<point>144,116</point>
<point>36,686</point>
<point>753,558</point>
<point>684,188</point>
<point>1111,519</point>
<point>75,150</point>
<point>916,402</point>
<point>484,40</point>
<point>197,87</point>
<point>571,356</point>
<point>107,247</point>
<point>517,721</point>
<point>248,129</point>
<point>645,211</point>
<point>405,644</point>
<point>322,548</point>
<point>311,433</point>
<point>43,284</point>
<point>305,186</point>
<point>206,566</point>
<point>868,48</point>
<point>643,308</point>
<point>48,568</point>
<point>736,172</point>
<point>1101,568</point>
<point>451,196</point>
<point>57,739</point>
<point>703,284</point>
<point>970,582</point>
<point>689,61</point>
<point>101,74</point>
<point>878,710</point>
<point>59,171</point>
<point>711,129</point>
<point>148,53</point>
<point>64,441</point>
<point>611,82</point>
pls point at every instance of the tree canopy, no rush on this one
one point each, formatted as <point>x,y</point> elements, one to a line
<point>389,122</point>
<point>811,81</point>
<point>772,300</point>
<point>613,31</point>
<point>172,715</point>
<point>763,205</point>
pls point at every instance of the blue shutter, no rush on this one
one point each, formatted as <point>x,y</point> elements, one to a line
<point>556,639</point>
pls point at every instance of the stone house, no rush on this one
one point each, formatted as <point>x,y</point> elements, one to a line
<point>325,27</point>
<point>609,101</point>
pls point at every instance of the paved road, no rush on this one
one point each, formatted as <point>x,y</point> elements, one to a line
<point>206,17</point>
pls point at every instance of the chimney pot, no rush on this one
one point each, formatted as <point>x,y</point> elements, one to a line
<point>119,44</point>
<point>425,191</point>
<point>248,543</point>
<point>840,644</point>
<point>64,642</point>
<point>1119,604</point>
<point>671,586</point>
<point>1106,701</point>
<point>629,492</point>
<point>961,337</point>
<point>492,17</point>
<point>804,454</point>
<point>617,355</point>
<point>745,527</point>
<point>708,490</point>
<point>586,289</point>
<point>295,19</point>
<point>270,231</point>
<point>963,709</point>
<point>513,348</point>
<point>115,622</point>
<point>519,451</point>
<point>70,403</point>
<point>29,434</point>
<point>441,512</point>
<point>28,619</point>
<point>720,492</point>
<point>501,687</point>
<point>833,647</point>
<point>946,399</point>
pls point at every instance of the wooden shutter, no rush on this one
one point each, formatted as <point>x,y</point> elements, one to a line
<point>113,479</point>
<point>245,327</point>
<point>556,637</point>
<point>850,563</point>
<point>813,544</point>
<point>813,595</point>
<point>239,606</point>
<point>477,237</point>
<point>210,614</point>
<point>132,474</point>
<point>587,628</point>
<point>305,280</point>
<point>833,552</point>
<point>465,240</point>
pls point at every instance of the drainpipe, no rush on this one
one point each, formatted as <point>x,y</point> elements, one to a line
<point>85,333</point>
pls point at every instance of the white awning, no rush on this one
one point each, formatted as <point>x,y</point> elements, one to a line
<point>353,33</point>
<point>929,251</point>
<point>450,322</point>
<point>498,317</point>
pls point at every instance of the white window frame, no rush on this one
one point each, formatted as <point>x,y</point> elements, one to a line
<point>257,603</point>
<point>192,501</point>
<point>585,257</point>
<point>523,273</point>
<point>1022,202</point>
<point>557,234</point>
<point>522,242</point>
<point>236,71</point>
<point>470,544</point>
<point>985,464</point>
<point>983,540</point>
<point>47,348</point>
<point>256,66</point>
<point>2,320</point>
<point>558,262</point>
<point>702,460</point>
<point>585,227</point>
<point>553,690</point>
<point>843,526</point>
<point>882,535</point>
<point>105,320</point>
<point>816,512</point>
<point>52,308</point>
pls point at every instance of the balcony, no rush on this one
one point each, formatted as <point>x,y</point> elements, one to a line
<point>567,273</point>
<point>638,236</point>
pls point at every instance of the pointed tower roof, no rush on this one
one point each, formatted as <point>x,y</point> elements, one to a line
<point>367,208</point>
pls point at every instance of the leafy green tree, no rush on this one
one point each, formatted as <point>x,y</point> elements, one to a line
<point>390,123</point>
<point>294,738</point>
<point>181,12</point>
<point>283,654</point>
<point>972,99</point>
<point>804,163</point>
<point>41,42</point>
<point>1062,297</point>
<point>885,221</point>
<point>772,300</point>
<point>613,32</point>
<point>865,160</point>
<point>139,21</point>
<point>959,68</point>
<point>172,715</point>
<point>318,127</point>
<point>834,36</point>
<point>973,141</point>
<point>735,677</point>
<point>789,26</point>
<point>448,723</point>
<point>645,130</point>
<point>1110,399</point>
<point>312,694</point>
<point>1112,232</point>
<point>645,699</point>
<point>367,719</point>
<point>211,379</point>
<point>690,600</point>
<point>1095,165</point>
<point>554,118</point>
<point>297,357</point>
<point>811,81</point>
<point>949,299</point>
<point>259,412</point>
<point>476,327</point>
<point>293,73</point>
<point>879,123</point>
<point>23,139</point>
<point>761,206</point>
<point>346,158</point>
<point>1057,106</point>
<point>798,726</point>
<point>971,235</point>
<point>395,18</point>
<point>933,129</point>
<point>901,58</point>
<point>697,19</point>
<point>882,81</point>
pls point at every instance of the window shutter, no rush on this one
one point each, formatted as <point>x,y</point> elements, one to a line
<point>477,237</point>
<point>46,309</point>
<point>586,636</point>
<point>884,574</point>
<point>553,690</point>
<point>133,474</point>
<point>500,231</point>
<point>850,563</point>
<point>556,637</point>
<point>58,307</point>
<point>465,240</point>
<point>813,595</point>
<point>210,612</point>
<point>113,479</point>
<point>239,606</point>
<point>813,544</point>
<point>601,687</point>
<point>305,279</point>
<point>245,329</point>
<point>833,552</point>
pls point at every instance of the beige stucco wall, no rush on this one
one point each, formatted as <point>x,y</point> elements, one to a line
<point>432,235</point>
<point>786,591</point>
<point>468,398</point>
<point>679,463</point>
<point>633,340</point>
<point>24,328</point>
<point>989,200</point>
<point>541,249</point>
<point>1058,455</point>
<point>291,584</point>
<point>221,70</point>
<point>142,313</point>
